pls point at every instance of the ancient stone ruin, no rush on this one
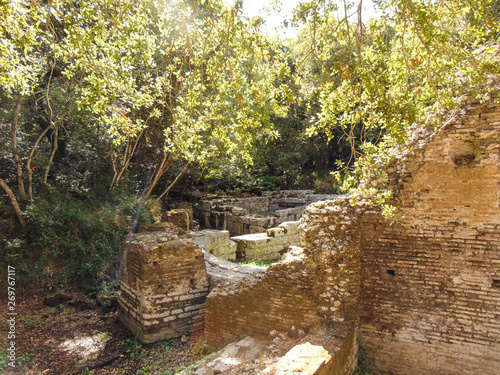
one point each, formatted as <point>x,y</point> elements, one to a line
<point>420,292</point>
<point>242,216</point>
<point>164,284</point>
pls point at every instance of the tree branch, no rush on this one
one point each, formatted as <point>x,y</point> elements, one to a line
<point>13,202</point>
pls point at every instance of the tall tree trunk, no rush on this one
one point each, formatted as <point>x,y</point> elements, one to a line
<point>51,158</point>
<point>13,202</point>
<point>30,157</point>
<point>15,153</point>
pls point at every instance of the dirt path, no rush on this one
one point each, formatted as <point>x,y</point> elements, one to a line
<point>54,340</point>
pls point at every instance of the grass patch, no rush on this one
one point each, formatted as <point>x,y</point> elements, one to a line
<point>257,263</point>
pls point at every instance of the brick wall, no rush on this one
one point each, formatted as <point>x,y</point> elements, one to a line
<point>283,300</point>
<point>430,291</point>
<point>163,286</point>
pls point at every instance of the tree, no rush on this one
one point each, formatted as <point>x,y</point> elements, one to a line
<point>123,94</point>
<point>21,64</point>
<point>195,81</point>
<point>412,65</point>
<point>172,81</point>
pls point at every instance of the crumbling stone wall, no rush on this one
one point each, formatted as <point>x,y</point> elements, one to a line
<point>331,238</point>
<point>308,288</point>
<point>163,285</point>
<point>239,223</point>
<point>431,283</point>
<point>282,299</point>
<point>428,299</point>
<point>181,217</point>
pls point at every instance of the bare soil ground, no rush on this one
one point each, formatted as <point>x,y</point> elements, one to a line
<point>55,340</point>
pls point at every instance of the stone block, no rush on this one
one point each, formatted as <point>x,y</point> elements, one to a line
<point>305,359</point>
<point>215,242</point>
<point>275,232</point>
<point>267,246</point>
<point>179,217</point>
<point>210,239</point>
<point>290,227</point>
<point>189,207</point>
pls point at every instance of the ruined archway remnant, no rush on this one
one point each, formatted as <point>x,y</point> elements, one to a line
<point>462,148</point>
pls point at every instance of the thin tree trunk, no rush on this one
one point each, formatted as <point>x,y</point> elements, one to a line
<point>13,202</point>
<point>51,158</point>
<point>127,157</point>
<point>161,168</point>
<point>15,153</point>
<point>173,183</point>
<point>28,164</point>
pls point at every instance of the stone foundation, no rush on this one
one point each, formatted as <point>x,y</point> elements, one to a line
<point>255,214</point>
<point>215,242</point>
<point>282,299</point>
<point>163,286</point>
<point>270,245</point>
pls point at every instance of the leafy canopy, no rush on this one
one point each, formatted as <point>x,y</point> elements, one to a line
<point>375,79</point>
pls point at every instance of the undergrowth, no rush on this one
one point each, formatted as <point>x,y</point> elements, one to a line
<point>69,240</point>
<point>364,365</point>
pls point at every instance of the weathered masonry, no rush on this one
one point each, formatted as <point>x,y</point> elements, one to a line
<point>164,284</point>
<point>250,215</point>
<point>430,300</point>
<point>166,276</point>
<point>422,291</point>
<point>270,245</point>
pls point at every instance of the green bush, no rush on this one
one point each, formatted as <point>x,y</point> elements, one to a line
<point>71,240</point>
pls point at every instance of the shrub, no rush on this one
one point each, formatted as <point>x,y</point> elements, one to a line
<point>70,240</point>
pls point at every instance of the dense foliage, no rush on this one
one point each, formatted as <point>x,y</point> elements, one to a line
<point>374,80</point>
<point>109,105</point>
<point>103,96</point>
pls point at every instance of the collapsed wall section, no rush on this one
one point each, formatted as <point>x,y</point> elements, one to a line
<point>282,299</point>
